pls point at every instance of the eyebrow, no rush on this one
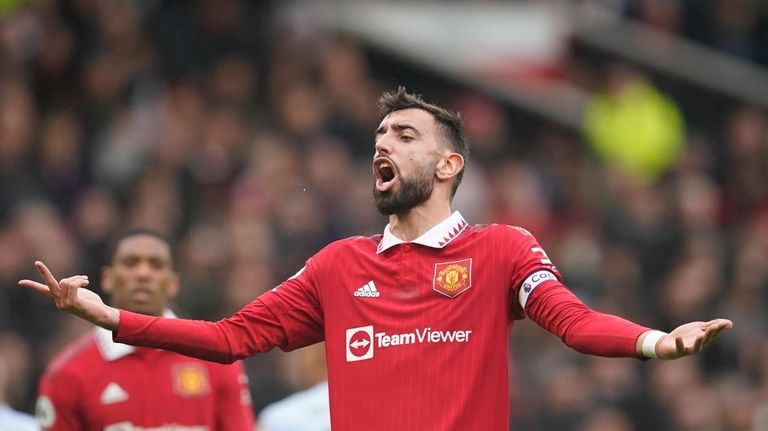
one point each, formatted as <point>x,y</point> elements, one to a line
<point>143,256</point>
<point>399,127</point>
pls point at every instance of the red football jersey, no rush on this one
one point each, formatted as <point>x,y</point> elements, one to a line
<point>96,384</point>
<point>416,333</point>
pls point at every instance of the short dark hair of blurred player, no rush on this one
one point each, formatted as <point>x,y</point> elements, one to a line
<point>97,384</point>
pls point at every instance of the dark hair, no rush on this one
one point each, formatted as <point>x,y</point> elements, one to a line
<point>449,121</point>
<point>116,239</point>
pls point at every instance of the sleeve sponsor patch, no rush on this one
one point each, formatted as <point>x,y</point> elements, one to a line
<point>532,282</point>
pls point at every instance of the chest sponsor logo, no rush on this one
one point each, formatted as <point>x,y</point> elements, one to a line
<point>452,278</point>
<point>360,343</point>
<point>113,394</point>
<point>363,341</point>
<point>190,380</point>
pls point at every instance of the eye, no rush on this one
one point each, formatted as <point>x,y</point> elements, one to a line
<point>157,263</point>
<point>406,138</point>
<point>130,261</point>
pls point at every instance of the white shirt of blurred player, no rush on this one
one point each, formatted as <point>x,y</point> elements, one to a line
<point>307,410</point>
<point>11,420</point>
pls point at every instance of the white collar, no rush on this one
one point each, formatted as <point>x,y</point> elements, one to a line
<point>437,237</point>
<point>112,351</point>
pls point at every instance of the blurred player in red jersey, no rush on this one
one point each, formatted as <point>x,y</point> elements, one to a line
<point>415,320</point>
<point>97,384</point>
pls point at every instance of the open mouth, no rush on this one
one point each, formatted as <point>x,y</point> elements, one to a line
<point>385,173</point>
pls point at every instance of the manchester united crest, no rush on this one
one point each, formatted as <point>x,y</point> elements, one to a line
<point>190,380</point>
<point>452,278</point>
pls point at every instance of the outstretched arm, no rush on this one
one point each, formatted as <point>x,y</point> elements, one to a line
<point>68,295</point>
<point>559,311</point>
<point>297,321</point>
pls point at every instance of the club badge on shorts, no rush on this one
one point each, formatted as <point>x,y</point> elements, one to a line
<point>452,278</point>
<point>190,380</point>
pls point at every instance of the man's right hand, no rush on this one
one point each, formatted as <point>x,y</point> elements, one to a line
<point>69,295</point>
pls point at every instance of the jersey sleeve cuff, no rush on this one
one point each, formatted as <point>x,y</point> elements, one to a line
<point>130,324</point>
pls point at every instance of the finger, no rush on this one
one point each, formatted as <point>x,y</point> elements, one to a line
<point>74,279</point>
<point>727,324</point>
<point>714,329</point>
<point>709,335</point>
<point>720,328</point>
<point>717,326</point>
<point>49,279</point>
<point>697,345</point>
<point>74,282</point>
<point>679,346</point>
<point>37,287</point>
<point>69,287</point>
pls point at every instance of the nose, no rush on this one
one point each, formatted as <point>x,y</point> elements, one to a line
<point>143,270</point>
<point>382,146</point>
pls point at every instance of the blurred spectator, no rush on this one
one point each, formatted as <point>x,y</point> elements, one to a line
<point>640,218</point>
<point>633,127</point>
<point>698,408</point>
<point>17,368</point>
<point>17,125</point>
<point>736,27</point>
<point>691,287</point>
<point>61,159</point>
<point>11,420</point>
<point>520,198</point>
<point>94,217</point>
<point>308,408</point>
<point>607,419</point>
<point>346,77</point>
<point>746,169</point>
<point>664,15</point>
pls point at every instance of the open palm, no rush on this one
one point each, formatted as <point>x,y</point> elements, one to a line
<point>690,338</point>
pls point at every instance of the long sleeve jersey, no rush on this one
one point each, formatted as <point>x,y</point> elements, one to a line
<point>416,332</point>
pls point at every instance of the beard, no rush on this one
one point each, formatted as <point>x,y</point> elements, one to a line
<point>413,191</point>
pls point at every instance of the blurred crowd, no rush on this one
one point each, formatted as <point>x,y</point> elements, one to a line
<point>735,27</point>
<point>248,141</point>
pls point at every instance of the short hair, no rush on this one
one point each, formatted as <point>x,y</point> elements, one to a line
<point>116,239</point>
<point>450,122</point>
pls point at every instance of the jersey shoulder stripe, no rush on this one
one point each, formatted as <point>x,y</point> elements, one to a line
<point>499,229</point>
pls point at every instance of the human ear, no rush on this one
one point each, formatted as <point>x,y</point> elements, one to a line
<point>449,166</point>
<point>174,285</point>
<point>107,279</point>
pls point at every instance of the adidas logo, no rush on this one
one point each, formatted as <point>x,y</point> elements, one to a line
<point>368,291</point>
<point>113,394</point>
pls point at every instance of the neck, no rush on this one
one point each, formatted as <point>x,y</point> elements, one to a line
<point>414,223</point>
